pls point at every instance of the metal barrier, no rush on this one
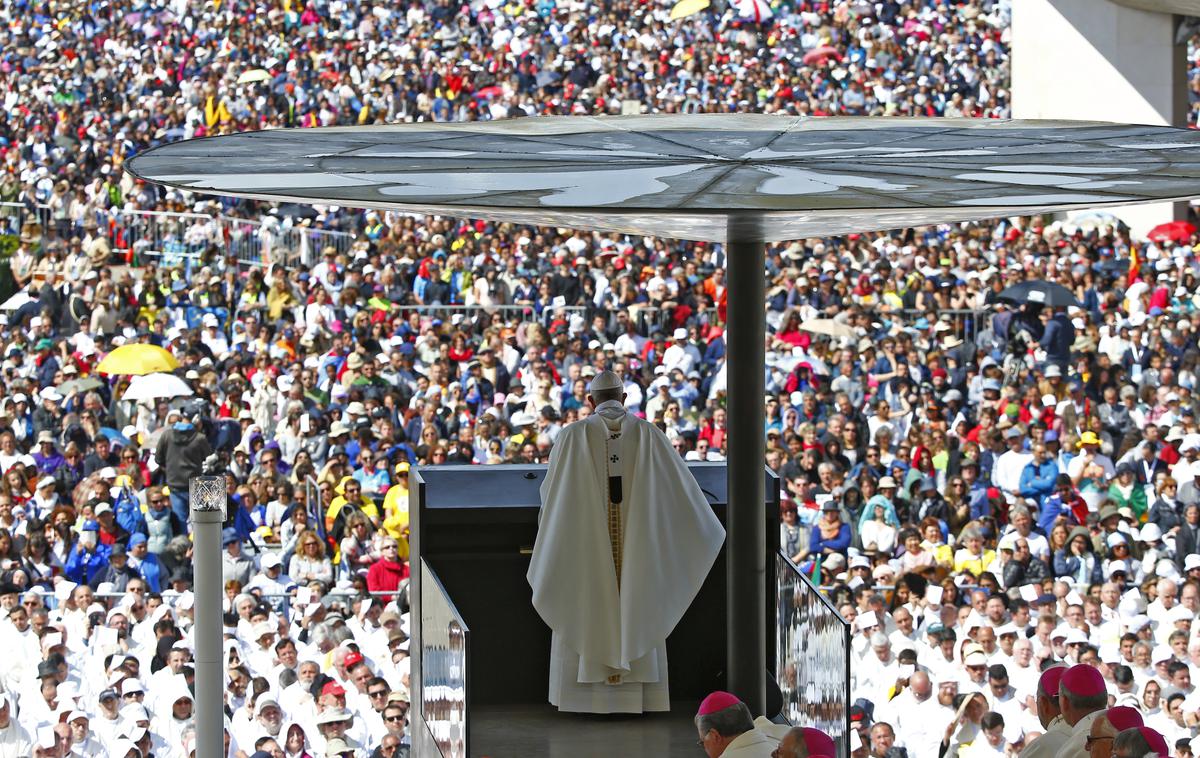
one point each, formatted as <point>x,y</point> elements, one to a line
<point>267,241</point>
<point>651,318</point>
<point>177,238</point>
<point>812,650</point>
<point>445,312</point>
<point>282,600</point>
<point>966,323</point>
<point>444,675</point>
<point>14,216</point>
<point>183,238</point>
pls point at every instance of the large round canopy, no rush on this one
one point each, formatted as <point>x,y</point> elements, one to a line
<point>686,176</point>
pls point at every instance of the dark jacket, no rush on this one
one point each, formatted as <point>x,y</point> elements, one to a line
<point>1057,339</point>
<point>182,454</point>
<point>1185,544</point>
<point>1166,516</point>
<point>1017,573</point>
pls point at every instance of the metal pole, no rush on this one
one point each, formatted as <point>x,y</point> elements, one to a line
<point>746,557</point>
<point>208,499</point>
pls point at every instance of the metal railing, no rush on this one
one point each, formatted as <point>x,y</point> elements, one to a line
<point>282,601</point>
<point>448,312</point>
<point>965,323</point>
<point>183,238</point>
<point>13,216</point>
<point>267,241</point>
<point>812,649</point>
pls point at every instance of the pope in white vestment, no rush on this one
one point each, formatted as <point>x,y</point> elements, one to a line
<point>625,540</point>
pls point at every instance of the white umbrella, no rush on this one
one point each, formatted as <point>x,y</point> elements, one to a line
<point>16,301</point>
<point>155,386</point>
<point>758,10</point>
<point>1092,219</point>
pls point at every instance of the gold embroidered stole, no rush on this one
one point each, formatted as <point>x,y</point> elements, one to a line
<point>616,530</point>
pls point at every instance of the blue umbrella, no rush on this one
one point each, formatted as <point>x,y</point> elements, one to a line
<point>115,436</point>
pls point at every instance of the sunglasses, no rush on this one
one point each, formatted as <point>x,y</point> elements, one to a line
<point>393,719</point>
<point>378,693</point>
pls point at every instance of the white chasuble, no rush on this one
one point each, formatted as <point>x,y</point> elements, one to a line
<point>608,648</point>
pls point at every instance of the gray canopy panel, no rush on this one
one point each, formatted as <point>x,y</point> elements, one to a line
<point>684,176</point>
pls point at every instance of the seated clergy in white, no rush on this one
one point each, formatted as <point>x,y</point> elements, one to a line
<point>625,540</point>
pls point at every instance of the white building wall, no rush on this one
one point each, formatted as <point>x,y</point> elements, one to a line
<point>1096,60</point>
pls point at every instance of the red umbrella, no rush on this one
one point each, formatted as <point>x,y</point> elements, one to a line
<point>818,54</point>
<point>489,92</point>
<point>1172,231</point>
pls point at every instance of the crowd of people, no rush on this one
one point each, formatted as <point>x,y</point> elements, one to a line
<point>987,488</point>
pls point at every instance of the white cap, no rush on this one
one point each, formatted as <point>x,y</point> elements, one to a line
<point>1165,569</point>
<point>1180,613</point>
<point>1113,567</point>
<point>271,560</point>
<point>605,380</point>
<point>46,481</point>
<point>1191,562</point>
<point>975,659</point>
<point>1137,623</point>
<point>103,508</point>
<point>1150,533</point>
<point>1075,637</point>
<point>680,334</point>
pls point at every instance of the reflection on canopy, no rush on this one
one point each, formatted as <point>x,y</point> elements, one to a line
<point>682,176</point>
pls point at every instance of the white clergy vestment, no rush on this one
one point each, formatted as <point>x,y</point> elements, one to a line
<point>608,647</point>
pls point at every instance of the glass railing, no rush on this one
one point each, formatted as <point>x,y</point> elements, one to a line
<point>811,633</point>
<point>445,642</point>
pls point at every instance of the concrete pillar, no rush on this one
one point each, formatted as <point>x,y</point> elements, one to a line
<point>1100,60</point>
<point>208,501</point>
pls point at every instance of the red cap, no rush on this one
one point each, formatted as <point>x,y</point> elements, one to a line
<point>1083,680</point>
<point>994,493</point>
<point>1048,683</point>
<point>818,742</point>
<point>352,659</point>
<point>1123,717</point>
<point>333,688</point>
<point>1154,740</point>
<point>717,701</point>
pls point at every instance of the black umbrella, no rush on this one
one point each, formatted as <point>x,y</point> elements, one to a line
<point>297,210</point>
<point>546,78</point>
<point>1040,293</point>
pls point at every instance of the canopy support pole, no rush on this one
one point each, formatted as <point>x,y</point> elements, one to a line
<point>746,557</point>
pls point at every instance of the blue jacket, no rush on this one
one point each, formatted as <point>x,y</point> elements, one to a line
<point>152,571</point>
<point>1037,480</point>
<point>82,567</point>
<point>1067,566</point>
<point>837,544</point>
<point>1052,508</point>
<point>978,500</point>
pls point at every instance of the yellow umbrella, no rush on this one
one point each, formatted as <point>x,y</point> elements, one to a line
<point>138,359</point>
<point>254,75</point>
<point>685,8</point>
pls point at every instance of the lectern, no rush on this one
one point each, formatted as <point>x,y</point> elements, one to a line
<point>472,533</point>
